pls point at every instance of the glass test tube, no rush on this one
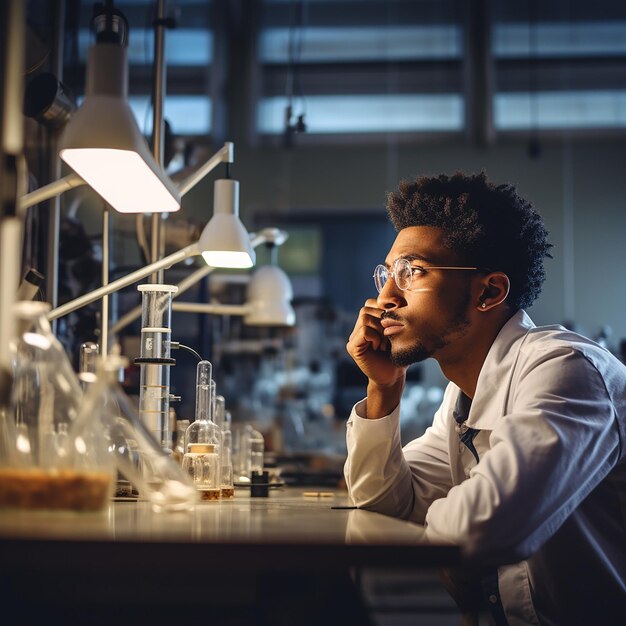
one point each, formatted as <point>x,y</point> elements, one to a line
<point>155,360</point>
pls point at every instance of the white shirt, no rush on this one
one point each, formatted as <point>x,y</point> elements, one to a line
<point>547,499</point>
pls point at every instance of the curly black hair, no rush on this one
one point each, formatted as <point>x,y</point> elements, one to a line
<point>487,225</point>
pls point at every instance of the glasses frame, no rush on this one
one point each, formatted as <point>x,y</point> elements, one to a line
<point>413,269</point>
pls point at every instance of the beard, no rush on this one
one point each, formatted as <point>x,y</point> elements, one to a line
<point>426,346</point>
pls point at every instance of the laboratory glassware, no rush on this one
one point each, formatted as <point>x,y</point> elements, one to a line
<point>248,458</point>
<point>179,444</point>
<point>87,363</point>
<point>49,460</point>
<point>138,456</point>
<point>203,438</point>
<point>155,360</point>
<point>202,463</point>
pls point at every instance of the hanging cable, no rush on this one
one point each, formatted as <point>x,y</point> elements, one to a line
<point>293,87</point>
<point>175,345</point>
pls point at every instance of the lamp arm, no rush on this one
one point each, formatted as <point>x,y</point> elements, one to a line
<point>216,309</point>
<point>183,286</point>
<point>223,155</point>
<point>131,278</point>
<point>50,191</point>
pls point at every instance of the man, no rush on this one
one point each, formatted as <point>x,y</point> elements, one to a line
<point>524,463</point>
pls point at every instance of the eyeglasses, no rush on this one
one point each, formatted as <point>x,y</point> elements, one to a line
<point>404,273</point>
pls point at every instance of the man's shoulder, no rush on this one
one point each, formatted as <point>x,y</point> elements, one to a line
<point>543,343</point>
<point>556,337</point>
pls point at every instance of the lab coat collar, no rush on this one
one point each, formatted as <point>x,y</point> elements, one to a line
<point>494,378</point>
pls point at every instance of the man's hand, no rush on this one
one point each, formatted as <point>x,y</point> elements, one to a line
<point>370,350</point>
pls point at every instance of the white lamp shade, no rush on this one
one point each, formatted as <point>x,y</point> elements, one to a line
<point>225,242</point>
<point>269,296</point>
<point>103,144</point>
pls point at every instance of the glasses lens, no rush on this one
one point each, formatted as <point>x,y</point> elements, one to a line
<point>380,277</point>
<point>402,273</point>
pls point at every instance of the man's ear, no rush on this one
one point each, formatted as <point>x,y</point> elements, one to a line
<point>495,289</point>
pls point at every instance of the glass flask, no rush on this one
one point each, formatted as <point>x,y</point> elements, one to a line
<point>49,460</point>
<point>137,454</point>
<point>203,438</point>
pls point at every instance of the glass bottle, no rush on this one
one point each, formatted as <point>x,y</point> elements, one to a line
<point>137,454</point>
<point>49,459</point>
<point>203,438</point>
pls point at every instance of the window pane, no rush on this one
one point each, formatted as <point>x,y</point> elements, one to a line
<point>368,113</point>
<point>555,40</point>
<point>185,46</point>
<point>340,43</point>
<point>187,115</point>
<point>558,110</point>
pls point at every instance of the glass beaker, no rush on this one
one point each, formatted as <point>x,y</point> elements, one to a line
<point>47,461</point>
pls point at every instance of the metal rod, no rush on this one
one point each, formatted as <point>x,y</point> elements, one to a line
<point>183,286</point>
<point>216,309</point>
<point>49,191</point>
<point>104,321</point>
<point>158,126</point>
<point>54,169</point>
<point>12,26</point>
<point>223,155</point>
<point>125,281</point>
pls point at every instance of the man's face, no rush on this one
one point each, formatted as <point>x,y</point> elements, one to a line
<point>432,316</point>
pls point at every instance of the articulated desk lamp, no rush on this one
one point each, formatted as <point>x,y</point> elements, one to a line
<point>224,242</point>
<point>104,146</point>
<point>270,289</point>
<point>268,294</point>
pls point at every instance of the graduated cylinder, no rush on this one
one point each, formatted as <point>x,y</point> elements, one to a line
<point>155,360</point>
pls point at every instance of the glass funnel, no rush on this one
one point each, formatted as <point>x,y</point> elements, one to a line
<point>138,456</point>
<point>46,461</point>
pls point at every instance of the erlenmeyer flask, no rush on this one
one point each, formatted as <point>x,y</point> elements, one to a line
<point>138,456</point>
<point>45,462</point>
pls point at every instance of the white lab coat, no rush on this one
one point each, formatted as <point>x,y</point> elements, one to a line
<point>547,500</point>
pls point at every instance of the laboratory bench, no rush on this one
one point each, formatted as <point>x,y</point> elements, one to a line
<point>290,558</point>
